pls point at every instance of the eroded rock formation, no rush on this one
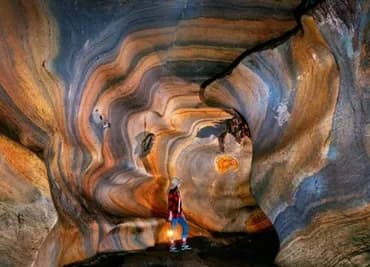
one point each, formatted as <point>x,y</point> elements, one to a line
<point>27,213</point>
<point>109,94</point>
<point>307,105</point>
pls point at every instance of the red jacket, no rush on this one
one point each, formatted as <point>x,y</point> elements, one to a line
<point>175,203</point>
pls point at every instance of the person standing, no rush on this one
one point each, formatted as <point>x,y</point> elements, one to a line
<point>176,215</point>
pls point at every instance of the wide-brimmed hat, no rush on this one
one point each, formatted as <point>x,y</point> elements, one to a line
<point>175,181</point>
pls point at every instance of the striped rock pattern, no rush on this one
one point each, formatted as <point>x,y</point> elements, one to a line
<point>109,93</point>
<point>307,104</point>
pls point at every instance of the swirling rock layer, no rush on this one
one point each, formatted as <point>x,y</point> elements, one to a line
<point>306,102</point>
<point>108,92</point>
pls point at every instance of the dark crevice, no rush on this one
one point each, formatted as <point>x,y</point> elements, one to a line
<point>260,47</point>
<point>39,152</point>
<point>12,132</point>
<point>300,10</point>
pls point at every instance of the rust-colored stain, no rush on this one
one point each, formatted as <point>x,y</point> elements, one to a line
<point>257,222</point>
<point>226,163</point>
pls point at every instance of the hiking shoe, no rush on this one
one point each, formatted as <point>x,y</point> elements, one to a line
<point>173,249</point>
<point>185,247</point>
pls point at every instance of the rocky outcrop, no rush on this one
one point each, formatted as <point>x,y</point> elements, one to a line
<point>27,213</point>
<point>108,94</point>
<point>306,102</point>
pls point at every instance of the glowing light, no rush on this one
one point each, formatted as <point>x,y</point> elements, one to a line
<point>170,233</point>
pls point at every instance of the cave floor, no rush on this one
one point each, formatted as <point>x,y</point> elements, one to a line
<point>222,251</point>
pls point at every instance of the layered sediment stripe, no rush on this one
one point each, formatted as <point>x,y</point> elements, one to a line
<point>309,163</point>
<point>31,96</point>
<point>137,59</point>
<point>348,247</point>
<point>291,133</point>
<point>23,164</point>
<point>118,113</point>
<point>133,69</point>
<point>127,85</point>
